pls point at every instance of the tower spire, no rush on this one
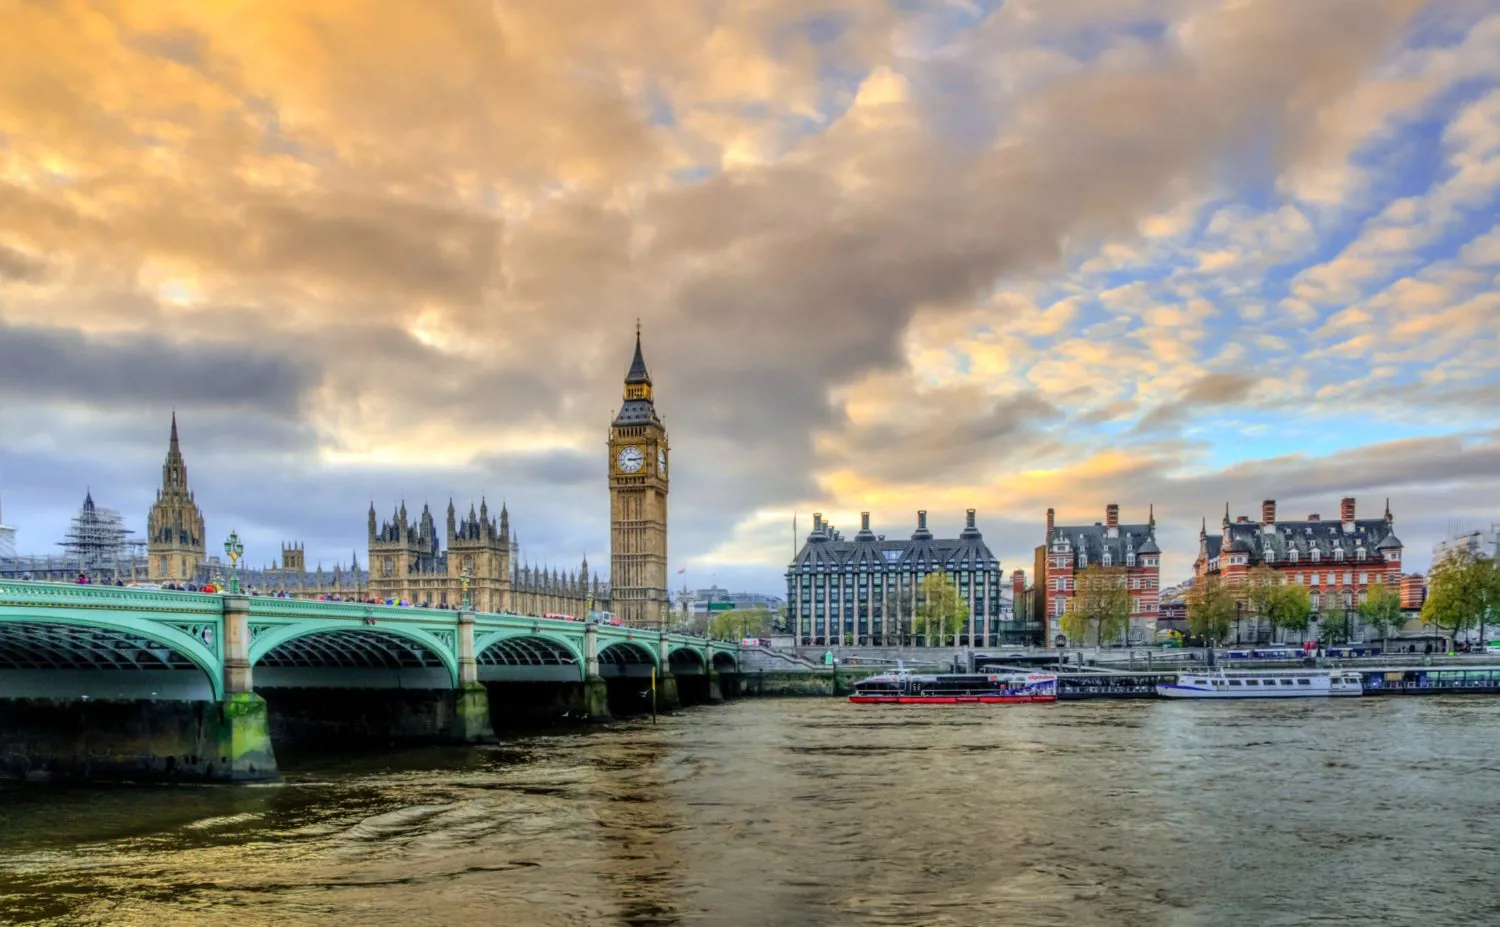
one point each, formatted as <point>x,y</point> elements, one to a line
<point>638,373</point>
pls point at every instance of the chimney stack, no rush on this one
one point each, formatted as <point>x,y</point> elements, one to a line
<point>864,521</point>
<point>1242,519</point>
<point>1111,516</point>
<point>1346,510</point>
<point>1268,512</point>
<point>969,519</point>
<point>921,519</point>
<point>817,521</point>
<point>1314,517</point>
<point>1017,586</point>
<point>1049,522</point>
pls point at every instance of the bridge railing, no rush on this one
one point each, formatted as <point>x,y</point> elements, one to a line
<point>24,593</point>
<point>35,594</point>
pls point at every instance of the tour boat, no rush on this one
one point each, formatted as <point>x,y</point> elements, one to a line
<point>902,688</point>
<point>1268,684</point>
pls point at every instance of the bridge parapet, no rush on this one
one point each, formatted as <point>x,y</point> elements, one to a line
<point>21,593</point>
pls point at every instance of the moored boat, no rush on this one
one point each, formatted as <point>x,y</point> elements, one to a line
<point>902,688</point>
<point>1267,684</point>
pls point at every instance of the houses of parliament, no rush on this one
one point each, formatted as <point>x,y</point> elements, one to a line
<point>410,560</point>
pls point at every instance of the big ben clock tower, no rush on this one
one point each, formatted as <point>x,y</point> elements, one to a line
<point>638,453</point>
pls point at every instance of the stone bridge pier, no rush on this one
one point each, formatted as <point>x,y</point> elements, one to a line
<point>107,683</point>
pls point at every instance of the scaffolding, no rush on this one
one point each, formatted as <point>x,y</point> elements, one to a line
<point>98,544</point>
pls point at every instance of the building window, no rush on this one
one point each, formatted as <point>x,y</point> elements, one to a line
<point>1364,578</point>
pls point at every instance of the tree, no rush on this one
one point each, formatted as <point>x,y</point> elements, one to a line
<point>1262,589</point>
<point>899,616</point>
<point>1333,619</point>
<point>1381,609</point>
<point>1102,600</point>
<point>1075,624</point>
<point>1487,582</point>
<point>941,611</point>
<point>741,623</point>
<point>1291,608</point>
<point>1457,593</point>
<point>1211,609</point>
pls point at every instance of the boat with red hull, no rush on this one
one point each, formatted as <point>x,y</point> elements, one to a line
<point>903,688</point>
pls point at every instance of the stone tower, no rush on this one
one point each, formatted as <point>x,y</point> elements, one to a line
<point>638,452</point>
<point>174,527</point>
<point>480,547</point>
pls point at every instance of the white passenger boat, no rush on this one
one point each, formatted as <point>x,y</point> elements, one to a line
<point>1267,684</point>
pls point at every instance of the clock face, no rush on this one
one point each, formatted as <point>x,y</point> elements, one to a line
<point>630,459</point>
<point>661,461</point>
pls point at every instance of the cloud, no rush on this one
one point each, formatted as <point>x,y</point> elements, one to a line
<point>40,365</point>
<point>1209,391</point>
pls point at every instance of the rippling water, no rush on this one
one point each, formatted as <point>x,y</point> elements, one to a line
<point>817,812</point>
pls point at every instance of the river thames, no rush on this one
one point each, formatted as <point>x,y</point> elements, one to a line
<point>1368,811</point>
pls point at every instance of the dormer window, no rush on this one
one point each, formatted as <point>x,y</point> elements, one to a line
<point>1270,556</point>
<point>1316,555</point>
<point>1291,555</point>
<point>1338,553</point>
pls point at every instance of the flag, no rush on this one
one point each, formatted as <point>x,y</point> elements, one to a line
<point>682,571</point>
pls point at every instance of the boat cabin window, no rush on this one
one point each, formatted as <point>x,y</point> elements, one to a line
<point>1287,682</point>
<point>1304,682</point>
<point>1252,682</point>
<point>1234,682</point>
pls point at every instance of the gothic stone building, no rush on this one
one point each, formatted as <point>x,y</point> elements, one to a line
<point>176,547</point>
<point>861,591</point>
<point>1338,559</point>
<point>174,526</point>
<point>408,563</point>
<point>1071,549</point>
<point>637,466</point>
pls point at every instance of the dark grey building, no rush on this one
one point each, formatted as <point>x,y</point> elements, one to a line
<point>864,591</point>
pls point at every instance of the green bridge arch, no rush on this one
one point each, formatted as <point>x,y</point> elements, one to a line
<point>485,643</point>
<point>271,638</point>
<point>154,630</point>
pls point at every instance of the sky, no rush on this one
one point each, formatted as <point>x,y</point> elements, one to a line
<point>887,255</point>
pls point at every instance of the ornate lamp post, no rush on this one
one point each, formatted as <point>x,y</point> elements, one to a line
<point>588,607</point>
<point>234,550</point>
<point>464,579</point>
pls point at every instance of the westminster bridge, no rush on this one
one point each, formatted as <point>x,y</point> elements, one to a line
<point>112,682</point>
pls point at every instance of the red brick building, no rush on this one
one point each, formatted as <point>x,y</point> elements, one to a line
<point>1332,558</point>
<point>1071,549</point>
<point>1413,591</point>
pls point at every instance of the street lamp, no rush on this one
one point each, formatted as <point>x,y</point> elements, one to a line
<point>234,550</point>
<point>464,579</point>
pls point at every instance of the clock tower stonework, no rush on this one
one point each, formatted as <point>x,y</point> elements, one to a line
<point>638,455</point>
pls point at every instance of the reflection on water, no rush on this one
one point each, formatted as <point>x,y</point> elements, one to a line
<point>816,812</point>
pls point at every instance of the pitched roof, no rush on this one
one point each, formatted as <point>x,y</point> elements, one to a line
<point>1281,538</point>
<point>828,549</point>
<point>1090,542</point>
